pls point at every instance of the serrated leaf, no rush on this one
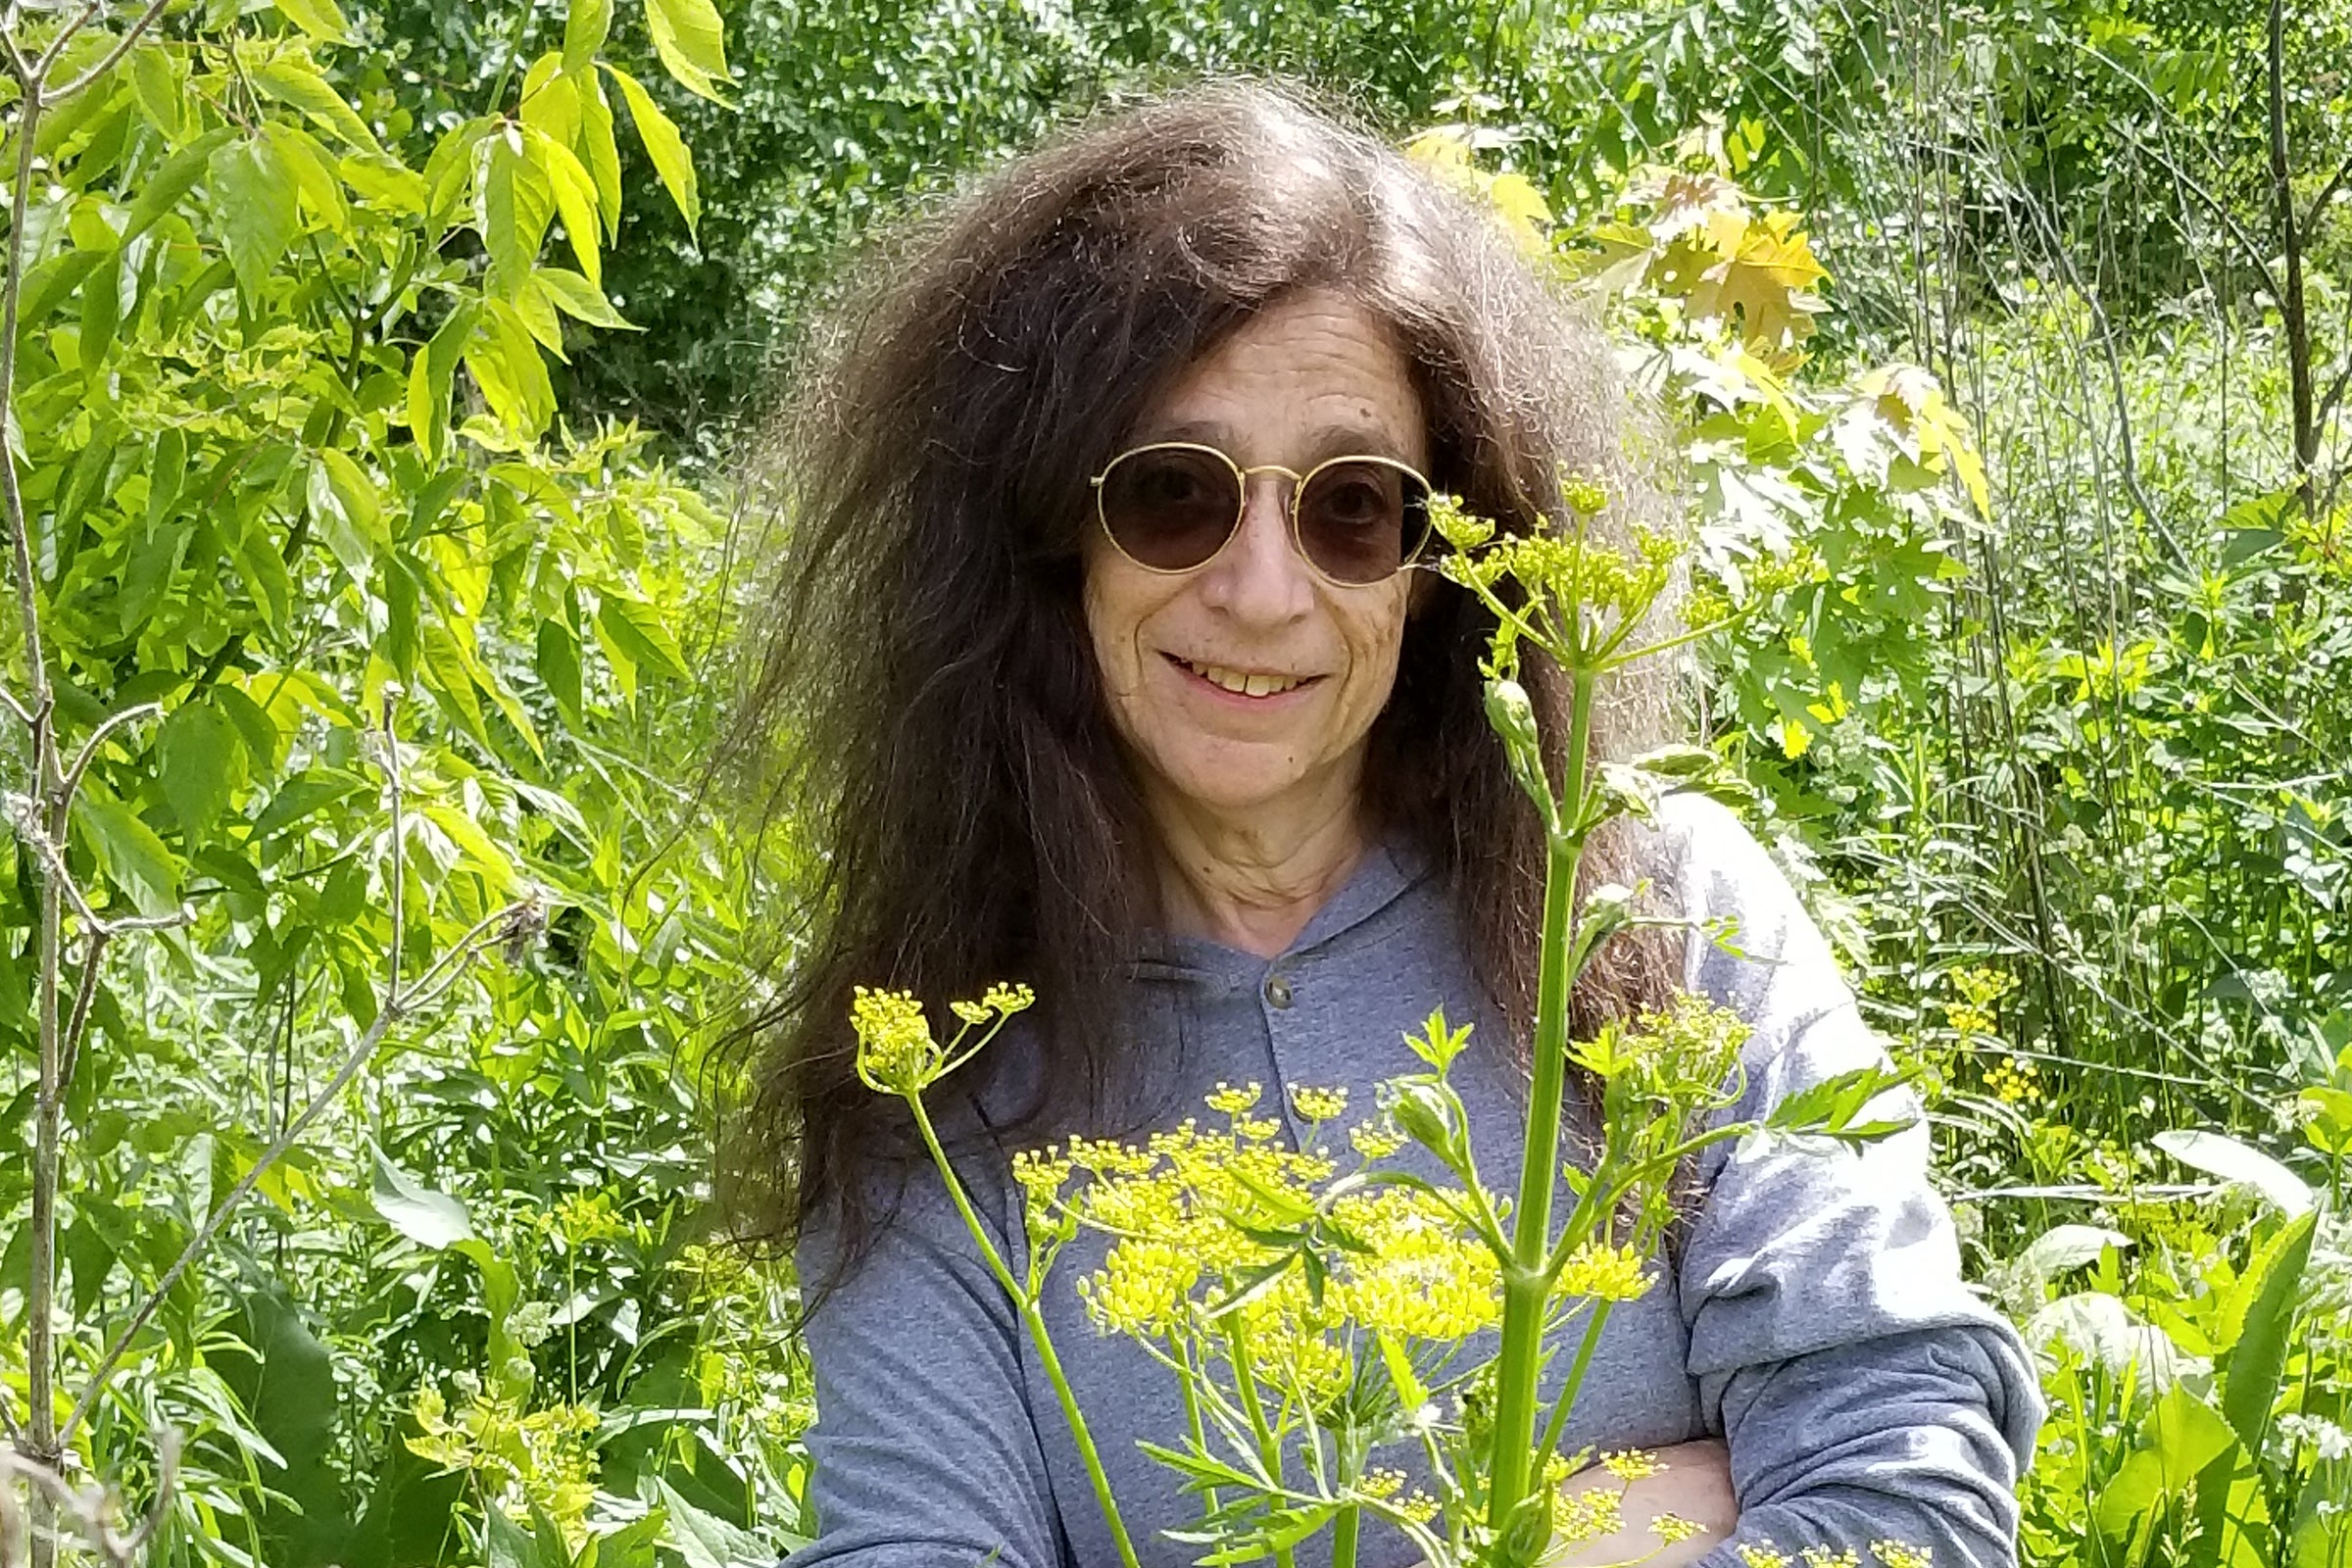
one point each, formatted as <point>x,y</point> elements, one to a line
<point>429,1218</point>
<point>664,145</point>
<point>638,628</point>
<point>252,199</point>
<point>586,25</point>
<point>430,372</point>
<point>200,760</point>
<point>692,43</point>
<point>163,190</point>
<point>322,20</point>
<point>295,81</point>
<point>578,298</point>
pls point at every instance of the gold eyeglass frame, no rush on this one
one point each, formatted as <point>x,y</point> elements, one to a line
<point>1299,484</point>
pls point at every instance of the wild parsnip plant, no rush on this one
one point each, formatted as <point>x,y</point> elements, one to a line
<point>1315,1308</point>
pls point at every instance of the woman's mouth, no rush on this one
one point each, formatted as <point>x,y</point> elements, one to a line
<point>1240,682</point>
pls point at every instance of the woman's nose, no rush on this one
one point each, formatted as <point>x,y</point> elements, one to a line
<point>1258,575</point>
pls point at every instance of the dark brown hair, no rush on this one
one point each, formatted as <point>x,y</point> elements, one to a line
<point>927,702</point>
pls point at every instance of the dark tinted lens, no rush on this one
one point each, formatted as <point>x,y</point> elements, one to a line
<point>1170,508</point>
<point>1361,520</point>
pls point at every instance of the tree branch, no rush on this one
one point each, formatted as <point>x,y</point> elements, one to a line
<point>113,56</point>
<point>56,46</point>
<point>89,748</point>
<point>70,1052</point>
<point>2335,182</point>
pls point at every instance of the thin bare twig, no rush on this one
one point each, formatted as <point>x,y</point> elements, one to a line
<point>8,700</point>
<point>2335,182</point>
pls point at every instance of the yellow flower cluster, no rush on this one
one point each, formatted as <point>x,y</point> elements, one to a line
<point>1630,1464</point>
<point>2015,1080</point>
<point>523,1459</point>
<point>1424,1278</point>
<point>1672,1529</point>
<point>1980,992</point>
<point>897,1053</point>
<point>1598,1271</point>
<point>1588,1514</point>
<point>1317,1106</point>
<point>1388,1485</point>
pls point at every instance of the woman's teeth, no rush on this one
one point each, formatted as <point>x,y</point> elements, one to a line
<point>1233,680</point>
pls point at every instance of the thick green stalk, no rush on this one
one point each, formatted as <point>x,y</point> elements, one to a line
<point>1527,1281</point>
<point>1033,1319</point>
<point>1245,1383</point>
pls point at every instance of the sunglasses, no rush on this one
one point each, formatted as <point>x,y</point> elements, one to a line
<point>1172,506</point>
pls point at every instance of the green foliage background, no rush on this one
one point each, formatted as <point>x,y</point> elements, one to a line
<point>392,359</point>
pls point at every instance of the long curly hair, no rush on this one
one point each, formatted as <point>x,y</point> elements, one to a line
<point>926,709</point>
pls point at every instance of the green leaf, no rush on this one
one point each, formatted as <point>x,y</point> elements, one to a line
<point>2251,1370</point>
<point>101,311</point>
<point>509,1546</point>
<point>599,152</point>
<point>704,1539</point>
<point>430,371</point>
<point>558,665</point>
<point>2181,1435</point>
<point>585,27</point>
<point>575,197</point>
<point>424,1216</point>
<point>692,43</point>
<point>157,83</point>
<point>347,512</point>
<point>322,20</point>
<point>578,298</point>
<point>252,199</point>
<point>511,212</point>
<point>201,762</point>
<point>386,183</point>
<point>637,627</point>
<point>662,143</point>
<point>504,360</point>
<point>134,858</point>
<point>163,190</point>
<point>295,81</point>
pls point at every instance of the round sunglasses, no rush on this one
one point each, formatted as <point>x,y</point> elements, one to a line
<point>1173,506</point>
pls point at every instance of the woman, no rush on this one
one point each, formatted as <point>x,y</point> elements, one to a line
<point>1100,670</point>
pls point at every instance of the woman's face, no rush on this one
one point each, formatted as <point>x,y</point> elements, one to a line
<point>1312,379</point>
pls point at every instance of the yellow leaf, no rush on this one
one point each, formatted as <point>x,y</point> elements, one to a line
<point>1795,738</point>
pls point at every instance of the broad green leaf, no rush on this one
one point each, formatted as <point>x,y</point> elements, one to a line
<point>430,370</point>
<point>703,1538</point>
<point>302,796</point>
<point>293,81</point>
<point>386,181</point>
<point>510,1546</point>
<point>322,20</point>
<point>599,153</point>
<point>692,43</point>
<point>2180,1438</point>
<point>101,311</point>
<point>586,23</point>
<point>201,760</point>
<point>157,82</point>
<point>253,200</point>
<point>315,172</point>
<point>2217,1154</point>
<point>504,360</point>
<point>2251,1369</point>
<point>577,298</point>
<point>574,191</point>
<point>664,145</point>
<point>133,856</point>
<point>448,671</point>
<point>638,628</point>
<point>512,213</point>
<point>347,512</point>
<point>478,847</point>
<point>558,664</point>
<point>161,191</point>
<point>424,1216</point>
<point>449,173</point>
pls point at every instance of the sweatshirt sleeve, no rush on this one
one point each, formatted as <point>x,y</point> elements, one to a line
<point>1864,1391</point>
<point>923,1453</point>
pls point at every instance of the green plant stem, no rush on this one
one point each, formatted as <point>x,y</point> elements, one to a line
<point>1182,1350</point>
<point>1345,1527</point>
<point>1576,1377</point>
<point>1527,1282</point>
<point>1033,1320</point>
<point>1245,1383</point>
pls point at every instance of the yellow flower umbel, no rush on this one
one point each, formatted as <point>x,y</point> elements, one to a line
<point>896,1053</point>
